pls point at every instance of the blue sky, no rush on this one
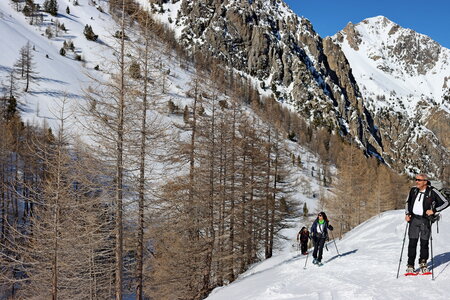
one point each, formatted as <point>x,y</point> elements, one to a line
<point>430,17</point>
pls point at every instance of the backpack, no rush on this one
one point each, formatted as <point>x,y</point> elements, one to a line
<point>446,193</point>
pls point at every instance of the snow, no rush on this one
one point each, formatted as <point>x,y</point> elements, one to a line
<point>168,17</point>
<point>403,90</point>
<point>58,76</point>
<point>366,268</point>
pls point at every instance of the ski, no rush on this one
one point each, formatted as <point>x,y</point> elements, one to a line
<point>418,273</point>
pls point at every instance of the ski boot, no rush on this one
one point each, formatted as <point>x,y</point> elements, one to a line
<point>410,269</point>
<point>423,267</point>
<point>315,261</point>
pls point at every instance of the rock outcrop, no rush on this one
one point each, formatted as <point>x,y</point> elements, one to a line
<point>266,40</point>
<point>404,80</point>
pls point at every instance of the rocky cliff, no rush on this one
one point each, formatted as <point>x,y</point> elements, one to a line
<point>376,82</point>
<point>404,79</point>
<point>289,60</point>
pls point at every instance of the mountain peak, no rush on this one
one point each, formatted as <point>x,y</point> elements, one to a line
<point>385,41</point>
<point>378,21</point>
<point>283,54</point>
<point>402,73</point>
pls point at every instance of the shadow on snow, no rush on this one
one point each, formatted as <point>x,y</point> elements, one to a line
<point>343,254</point>
<point>440,259</point>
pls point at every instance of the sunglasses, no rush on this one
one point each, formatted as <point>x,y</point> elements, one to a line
<point>319,215</point>
<point>417,179</point>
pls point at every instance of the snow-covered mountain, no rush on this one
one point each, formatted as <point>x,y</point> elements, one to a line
<point>281,53</point>
<point>285,58</point>
<point>388,87</point>
<point>387,59</point>
<point>368,80</point>
<point>404,78</point>
<point>365,269</point>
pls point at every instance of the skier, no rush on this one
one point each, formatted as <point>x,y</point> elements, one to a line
<point>302,238</point>
<point>319,231</point>
<point>423,201</point>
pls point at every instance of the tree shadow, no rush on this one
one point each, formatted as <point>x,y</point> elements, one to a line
<point>64,37</point>
<point>56,94</point>
<point>440,259</point>
<point>343,254</point>
<point>5,68</point>
<point>45,79</point>
<point>69,17</point>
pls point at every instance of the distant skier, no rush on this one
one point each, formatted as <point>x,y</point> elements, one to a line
<point>319,231</point>
<point>302,238</point>
<point>422,202</point>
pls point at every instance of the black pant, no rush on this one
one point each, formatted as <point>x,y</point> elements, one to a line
<point>319,243</point>
<point>304,246</point>
<point>418,227</point>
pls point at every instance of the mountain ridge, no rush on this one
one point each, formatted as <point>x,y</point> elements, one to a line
<point>403,77</point>
<point>282,52</point>
<point>318,78</point>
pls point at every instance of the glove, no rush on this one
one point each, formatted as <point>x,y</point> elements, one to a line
<point>330,227</point>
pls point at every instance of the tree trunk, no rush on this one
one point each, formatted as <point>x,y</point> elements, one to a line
<point>268,253</point>
<point>273,198</point>
<point>142,154</point>
<point>119,166</point>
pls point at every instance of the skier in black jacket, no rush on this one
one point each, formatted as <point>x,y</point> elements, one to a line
<point>303,237</point>
<point>423,201</point>
<point>319,231</point>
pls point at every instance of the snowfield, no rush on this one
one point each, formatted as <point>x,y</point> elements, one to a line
<point>366,268</point>
<point>57,76</point>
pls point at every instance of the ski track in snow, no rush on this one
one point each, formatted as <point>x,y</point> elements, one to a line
<point>366,268</point>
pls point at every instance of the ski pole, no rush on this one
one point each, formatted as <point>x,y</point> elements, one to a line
<point>307,255</point>
<point>403,244</point>
<point>438,218</point>
<point>431,245</point>
<point>335,243</point>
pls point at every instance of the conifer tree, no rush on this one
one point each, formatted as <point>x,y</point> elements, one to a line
<point>89,33</point>
<point>51,6</point>
<point>110,125</point>
<point>25,65</point>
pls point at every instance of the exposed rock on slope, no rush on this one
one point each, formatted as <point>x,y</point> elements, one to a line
<point>266,40</point>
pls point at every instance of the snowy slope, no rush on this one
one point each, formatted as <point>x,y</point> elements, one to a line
<point>57,76</point>
<point>366,269</point>
<point>60,76</point>
<point>395,63</point>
